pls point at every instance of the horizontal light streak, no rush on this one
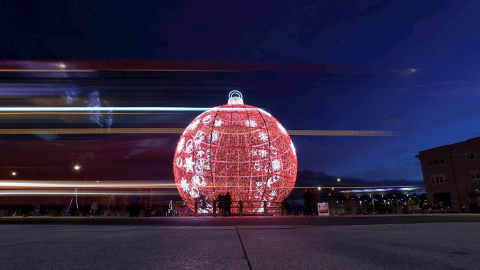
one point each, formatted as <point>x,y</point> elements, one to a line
<point>344,133</point>
<point>365,188</point>
<point>142,184</point>
<point>77,113</point>
<point>27,131</point>
<point>46,70</point>
<point>61,66</point>
<point>96,109</point>
<point>126,193</point>
<point>82,193</point>
<point>85,184</point>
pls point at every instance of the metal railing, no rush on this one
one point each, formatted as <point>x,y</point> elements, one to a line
<point>237,208</point>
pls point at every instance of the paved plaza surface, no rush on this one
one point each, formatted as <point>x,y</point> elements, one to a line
<point>362,242</point>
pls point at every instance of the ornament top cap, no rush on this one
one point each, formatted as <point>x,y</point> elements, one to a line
<point>235,97</point>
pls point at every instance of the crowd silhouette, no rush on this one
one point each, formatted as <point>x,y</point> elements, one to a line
<point>225,204</point>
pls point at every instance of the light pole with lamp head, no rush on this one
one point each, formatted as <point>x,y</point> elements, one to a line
<point>78,168</point>
<point>330,199</point>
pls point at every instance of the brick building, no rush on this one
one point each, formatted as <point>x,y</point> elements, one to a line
<point>450,172</point>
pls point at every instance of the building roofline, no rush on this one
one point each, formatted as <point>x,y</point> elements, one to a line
<point>442,148</point>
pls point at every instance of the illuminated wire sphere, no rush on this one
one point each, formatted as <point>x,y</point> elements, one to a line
<point>239,149</point>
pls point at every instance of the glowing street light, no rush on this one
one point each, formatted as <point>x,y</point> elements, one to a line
<point>77,168</point>
<point>338,179</point>
<point>14,173</point>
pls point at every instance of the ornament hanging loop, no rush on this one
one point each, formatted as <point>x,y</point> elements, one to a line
<point>235,97</point>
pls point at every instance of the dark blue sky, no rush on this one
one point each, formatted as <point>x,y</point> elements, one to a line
<point>409,66</point>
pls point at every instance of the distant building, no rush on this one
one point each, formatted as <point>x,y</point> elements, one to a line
<point>450,172</point>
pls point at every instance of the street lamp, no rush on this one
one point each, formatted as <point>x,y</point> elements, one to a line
<point>78,168</point>
<point>14,173</point>
<point>373,205</point>
<point>396,204</point>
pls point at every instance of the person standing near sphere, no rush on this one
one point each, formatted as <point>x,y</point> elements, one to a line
<point>315,200</point>
<point>228,204</point>
<point>221,203</point>
<point>308,201</point>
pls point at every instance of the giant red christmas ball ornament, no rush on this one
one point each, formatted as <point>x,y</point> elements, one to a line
<point>239,149</point>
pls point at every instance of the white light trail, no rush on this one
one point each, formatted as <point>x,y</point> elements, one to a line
<point>115,109</point>
<point>5,131</point>
<point>81,193</point>
<point>96,109</point>
<point>83,184</point>
<point>135,184</point>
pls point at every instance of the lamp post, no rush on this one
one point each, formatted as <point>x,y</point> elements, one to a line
<point>332,197</point>
<point>396,204</point>
<point>78,168</point>
<point>373,205</point>
<point>320,191</point>
<point>393,205</point>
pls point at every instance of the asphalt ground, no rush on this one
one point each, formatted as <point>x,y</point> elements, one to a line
<point>246,220</point>
<point>356,242</point>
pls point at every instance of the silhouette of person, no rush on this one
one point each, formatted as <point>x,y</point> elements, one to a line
<point>315,200</point>
<point>228,204</point>
<point>308,201</point>
<point>221,203</point>
<point>285,207</point>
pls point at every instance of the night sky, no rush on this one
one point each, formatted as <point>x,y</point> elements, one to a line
<point>406,66</point>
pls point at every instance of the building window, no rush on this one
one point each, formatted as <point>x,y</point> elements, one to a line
<point>470,156</point>
<point>441,161</point>
<point>430,163</point>
<point>435,162</point>
<point>474,174</point>
<point>439,179</point>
